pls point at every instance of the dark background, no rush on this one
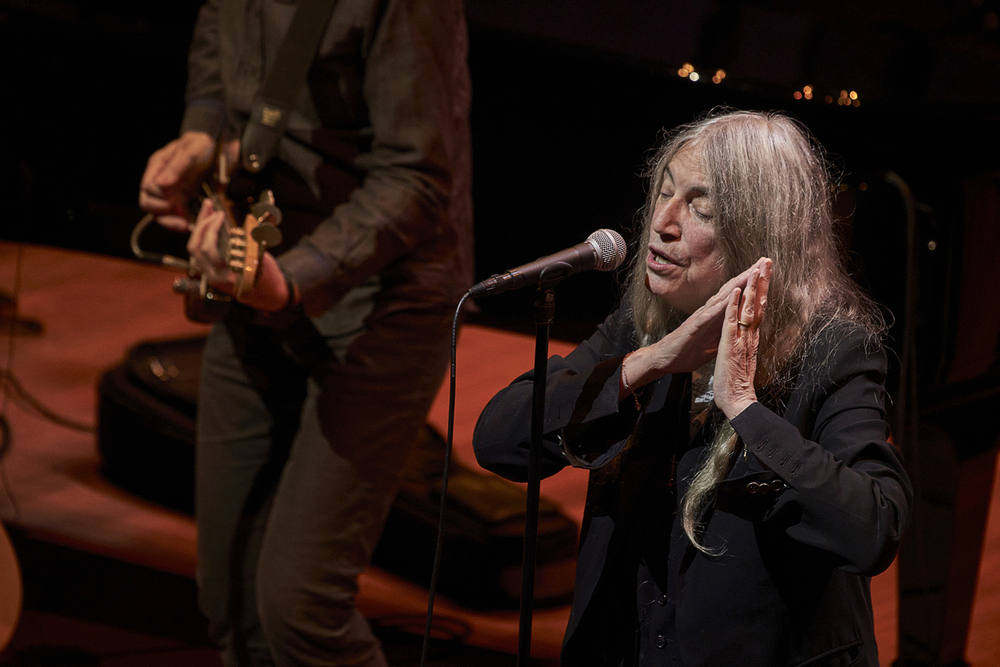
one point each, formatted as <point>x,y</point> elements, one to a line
<point>568,97</point>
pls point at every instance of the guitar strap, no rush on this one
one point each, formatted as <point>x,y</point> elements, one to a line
<point>273,103</point>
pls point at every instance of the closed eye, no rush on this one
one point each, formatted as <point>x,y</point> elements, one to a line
<point>701,214</point>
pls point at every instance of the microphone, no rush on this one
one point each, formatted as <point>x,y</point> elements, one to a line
<point>603,250</point>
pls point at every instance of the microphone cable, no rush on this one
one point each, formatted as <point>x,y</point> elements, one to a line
<point>449,441</point>
<point>609,250</point>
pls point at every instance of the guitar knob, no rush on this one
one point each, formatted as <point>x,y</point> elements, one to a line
<point>185,286</point>
<point>266,212</point>
<point>266,235</point>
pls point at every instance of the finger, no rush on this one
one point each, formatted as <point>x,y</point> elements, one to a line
<point>175,223</point>
<point>763,285</point>
<point>152,202</point>
<point>196,240</point>
<point>748,305</point>
<point>173,169</point>
<point>210,242</point>
<point>154,165</point>
<point>169,212</point>
<point>151,197</point>
<point>159,194</point>
<point>716,304</point>
<point>739,281</point>
<point>204,250</point>
<point>732,322</point>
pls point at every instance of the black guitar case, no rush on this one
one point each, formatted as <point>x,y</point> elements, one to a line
<point>146,418</point>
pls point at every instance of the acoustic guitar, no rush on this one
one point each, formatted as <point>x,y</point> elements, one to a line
<point>11,589</point>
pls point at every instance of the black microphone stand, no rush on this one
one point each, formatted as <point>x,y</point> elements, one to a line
<point>544,315</point>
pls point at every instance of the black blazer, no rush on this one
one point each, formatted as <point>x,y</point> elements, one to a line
<point>813,507</point>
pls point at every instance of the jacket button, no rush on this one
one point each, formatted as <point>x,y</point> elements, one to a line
<point>753,487</point>
<point>778,486</point>
<point>662,600</point>
<point>661,641</point>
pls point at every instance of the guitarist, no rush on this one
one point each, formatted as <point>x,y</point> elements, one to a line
<point>316,382</point>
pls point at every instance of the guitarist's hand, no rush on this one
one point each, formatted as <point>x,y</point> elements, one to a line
<point>270,292</point>
<point>173,175</point>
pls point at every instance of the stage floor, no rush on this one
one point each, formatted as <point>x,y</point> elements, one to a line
<point>93,308</point>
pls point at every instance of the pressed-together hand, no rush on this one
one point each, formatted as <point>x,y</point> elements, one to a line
<point>692,344</point>
<point>270,291</point>
<point>736,362</point>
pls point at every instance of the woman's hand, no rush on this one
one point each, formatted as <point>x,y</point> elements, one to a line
<point>736,363</point>
<point>692,344</point>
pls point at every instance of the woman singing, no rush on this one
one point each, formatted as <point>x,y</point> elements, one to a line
<point>732,412</point>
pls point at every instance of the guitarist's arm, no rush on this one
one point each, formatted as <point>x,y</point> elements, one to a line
<point>174,174</point>
<point>271,289</point>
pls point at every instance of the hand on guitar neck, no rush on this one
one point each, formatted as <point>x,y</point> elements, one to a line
<point>267,290</point>
<point>225,257</point>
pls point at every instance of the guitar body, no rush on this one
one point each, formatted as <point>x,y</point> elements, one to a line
<point>204,306</point>
<point>242,247</point>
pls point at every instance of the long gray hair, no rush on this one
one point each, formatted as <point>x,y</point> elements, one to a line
<point>772,196</point>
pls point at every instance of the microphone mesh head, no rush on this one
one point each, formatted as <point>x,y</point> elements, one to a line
<point>611,249</point>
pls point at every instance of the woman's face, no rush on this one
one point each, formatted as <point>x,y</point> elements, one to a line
<point>684,265</point>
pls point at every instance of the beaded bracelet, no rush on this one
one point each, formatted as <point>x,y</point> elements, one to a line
<point>635,396</point>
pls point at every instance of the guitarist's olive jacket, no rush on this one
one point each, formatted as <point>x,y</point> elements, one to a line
<point>374,172</point>
<point>813,506</point>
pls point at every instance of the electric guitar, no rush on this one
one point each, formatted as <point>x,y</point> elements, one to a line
<point>241,245</point>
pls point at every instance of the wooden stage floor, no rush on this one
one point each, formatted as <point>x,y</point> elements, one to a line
<point>93,309</point>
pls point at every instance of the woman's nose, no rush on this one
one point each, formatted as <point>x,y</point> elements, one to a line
<point>666,219</point>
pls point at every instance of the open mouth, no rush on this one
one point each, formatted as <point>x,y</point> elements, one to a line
<point>656,260</point>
